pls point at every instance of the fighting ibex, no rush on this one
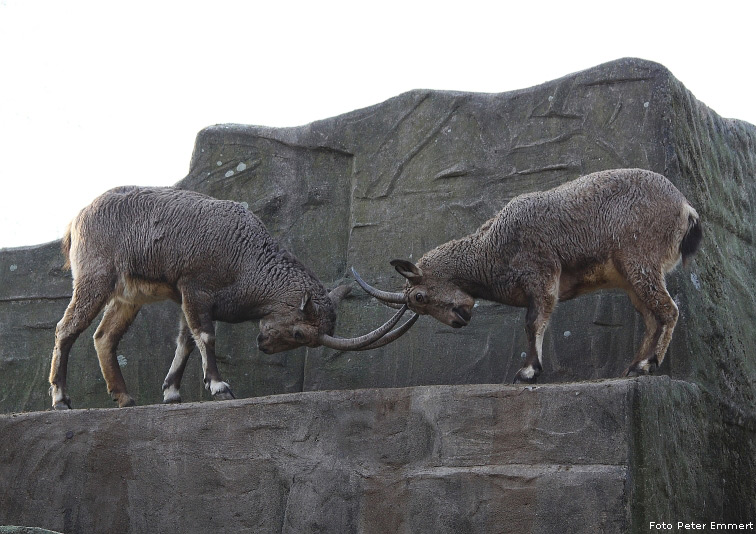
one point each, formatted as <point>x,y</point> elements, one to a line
<point>135,245</point>
<point>623,228</point>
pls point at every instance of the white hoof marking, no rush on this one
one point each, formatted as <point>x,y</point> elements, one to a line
<point>527,372</point>
<point>171,394</point>
<point>218,387</point>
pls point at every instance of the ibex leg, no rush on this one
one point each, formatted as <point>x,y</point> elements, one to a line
<point>200,323</point>
<point>89,297</point>
<point>540,307</point>
<point>116,320</point>
<point>184,347</point>
<point>650,297</point>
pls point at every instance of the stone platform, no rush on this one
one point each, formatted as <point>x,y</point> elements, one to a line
<point>596,456</point>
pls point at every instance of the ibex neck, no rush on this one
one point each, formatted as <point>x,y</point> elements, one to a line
<point>460,261</point>
<point>288,280</point>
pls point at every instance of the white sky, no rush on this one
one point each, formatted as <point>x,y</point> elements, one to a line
<point>95,94</point>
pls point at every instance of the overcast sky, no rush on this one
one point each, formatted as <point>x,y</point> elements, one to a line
<point>95,94</point>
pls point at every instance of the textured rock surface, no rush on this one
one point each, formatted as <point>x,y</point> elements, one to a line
<point>479,458</point>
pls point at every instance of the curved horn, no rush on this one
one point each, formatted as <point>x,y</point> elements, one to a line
<point>361,341</point>
<point>390,304</point>
<point>394,334</point>
<point>337,294</point>
<point>385,296</point>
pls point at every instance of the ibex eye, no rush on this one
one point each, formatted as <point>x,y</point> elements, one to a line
<point>298,336</point>
<point>419,297</point>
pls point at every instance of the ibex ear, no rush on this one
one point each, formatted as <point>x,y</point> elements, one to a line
<point>407,269</point>
<point>305,300</point>
<point>338,293</point>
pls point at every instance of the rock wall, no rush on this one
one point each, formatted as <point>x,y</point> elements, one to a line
<point>436,459</point>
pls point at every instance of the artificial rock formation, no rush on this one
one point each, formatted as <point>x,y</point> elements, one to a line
<point>436,459</point>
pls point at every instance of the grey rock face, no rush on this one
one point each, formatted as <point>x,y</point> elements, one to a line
<point>24,530</point>
<point>479,458</point>
<point>603,456</point>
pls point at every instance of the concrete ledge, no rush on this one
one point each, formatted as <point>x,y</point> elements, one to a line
<point>472,458</point>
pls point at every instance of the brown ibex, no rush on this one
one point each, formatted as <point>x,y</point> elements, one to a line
<point>135,245</point>
<point>624,228</point>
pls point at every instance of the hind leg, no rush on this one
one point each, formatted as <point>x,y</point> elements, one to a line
<point>184,347</point>
<point>89,297</point>
<point>117,318</point>
<point>650,297</point>
<point>650,337</point>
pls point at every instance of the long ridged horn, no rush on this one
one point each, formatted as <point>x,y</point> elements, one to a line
<point>394,334</point>
<point>385,296</point>
<point>357,343</point>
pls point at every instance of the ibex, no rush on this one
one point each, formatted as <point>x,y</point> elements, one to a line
<point>624,228</point>
<point>135,245</point>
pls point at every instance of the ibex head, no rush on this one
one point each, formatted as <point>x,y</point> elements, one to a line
<point>312,324</point>
<point>427,294</point>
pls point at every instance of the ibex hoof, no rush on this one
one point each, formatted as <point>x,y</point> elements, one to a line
<point>526,375</point>
<point>641,369</point>
<point>124,400</point>
<point>64,404</point>
<point>221,391</point>
<point>224,395</point>
<point>171,395</point>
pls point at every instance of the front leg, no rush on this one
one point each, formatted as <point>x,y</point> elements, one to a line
<point>199,320</point>
<point>184,347</point>
<point>219,389</point>
<point>540,307</point>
